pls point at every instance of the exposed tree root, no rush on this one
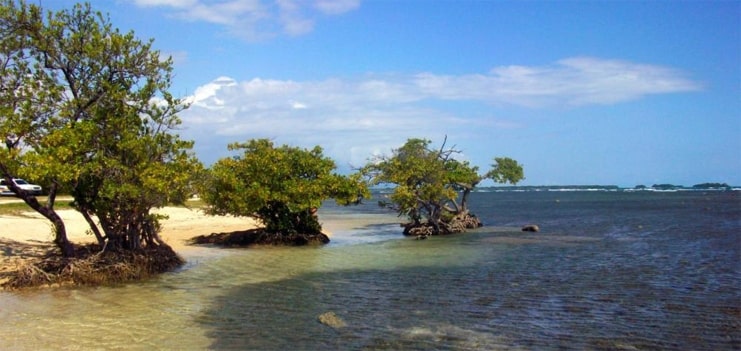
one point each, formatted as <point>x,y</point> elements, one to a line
<point>90,266</point>
<point>457,224</point>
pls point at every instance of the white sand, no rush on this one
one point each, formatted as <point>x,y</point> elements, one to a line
<point>181,225</point>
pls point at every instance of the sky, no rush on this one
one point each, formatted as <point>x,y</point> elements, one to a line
<point>579,92</point>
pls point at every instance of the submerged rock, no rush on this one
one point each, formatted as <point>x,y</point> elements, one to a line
<point>531,228</point>
<point>332,320</point>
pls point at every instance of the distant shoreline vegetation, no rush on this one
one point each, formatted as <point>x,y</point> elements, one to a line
<point>654,187</point>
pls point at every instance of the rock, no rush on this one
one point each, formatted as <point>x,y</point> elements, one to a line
<point>530,228</point>
<point>331,319</point>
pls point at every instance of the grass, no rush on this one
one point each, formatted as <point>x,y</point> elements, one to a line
<point>192,203</point>
<point>10,207</point>
<point>14,206</point>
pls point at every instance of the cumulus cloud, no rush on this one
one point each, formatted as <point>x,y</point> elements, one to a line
<point>376,112</point>
<point>255,19</point>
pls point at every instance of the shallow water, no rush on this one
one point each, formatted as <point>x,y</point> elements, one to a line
<point>608,271</point>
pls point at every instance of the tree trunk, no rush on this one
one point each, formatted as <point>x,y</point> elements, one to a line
<point>60,232</point>
<point>435,219</point>
<point>93,227</point>
<point>464,200</point>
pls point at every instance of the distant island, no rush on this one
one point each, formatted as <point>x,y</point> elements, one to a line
<point>654,187</point>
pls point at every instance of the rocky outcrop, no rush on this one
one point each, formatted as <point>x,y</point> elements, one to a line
<point>259,236</point>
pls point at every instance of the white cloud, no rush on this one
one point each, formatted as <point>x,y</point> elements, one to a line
<point>206,97</point>
<point>178,57</point>
<point>172,3</point>
<point>296,105</point>
<point>573,81</point>
<point>292,18</point>
<point>371,113</point>
<point>255,19</point>
<point>334,7</point>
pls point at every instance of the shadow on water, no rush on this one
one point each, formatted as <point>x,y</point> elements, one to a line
<point>516,295</point>
<point>381,309</point>
<point>369,233</point>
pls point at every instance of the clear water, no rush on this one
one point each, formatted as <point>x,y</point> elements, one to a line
<point>610,270</point>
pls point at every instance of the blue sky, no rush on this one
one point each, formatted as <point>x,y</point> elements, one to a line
<point>623,92</point>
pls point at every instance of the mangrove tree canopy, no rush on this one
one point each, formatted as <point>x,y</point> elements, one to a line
<point>281,186</point>
<point>431,187</point>
<point>88,110</point>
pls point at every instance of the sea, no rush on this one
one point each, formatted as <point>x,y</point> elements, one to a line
<point>608,270</point>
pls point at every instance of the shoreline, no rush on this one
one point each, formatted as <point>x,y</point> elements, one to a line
<point>28,235</point>
<point>182,224</point>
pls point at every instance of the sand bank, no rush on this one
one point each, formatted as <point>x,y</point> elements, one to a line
<point>181,225</point>
<point>28,234</point>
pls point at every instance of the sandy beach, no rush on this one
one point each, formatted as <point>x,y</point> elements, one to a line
<point>27,234</point>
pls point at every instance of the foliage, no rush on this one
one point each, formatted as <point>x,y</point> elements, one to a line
<point>711,186</point>
<point>665,186</point>
<point>431,187</point>
<point>92,114</point>
<point>280,186</point>
<point>505,170</point>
